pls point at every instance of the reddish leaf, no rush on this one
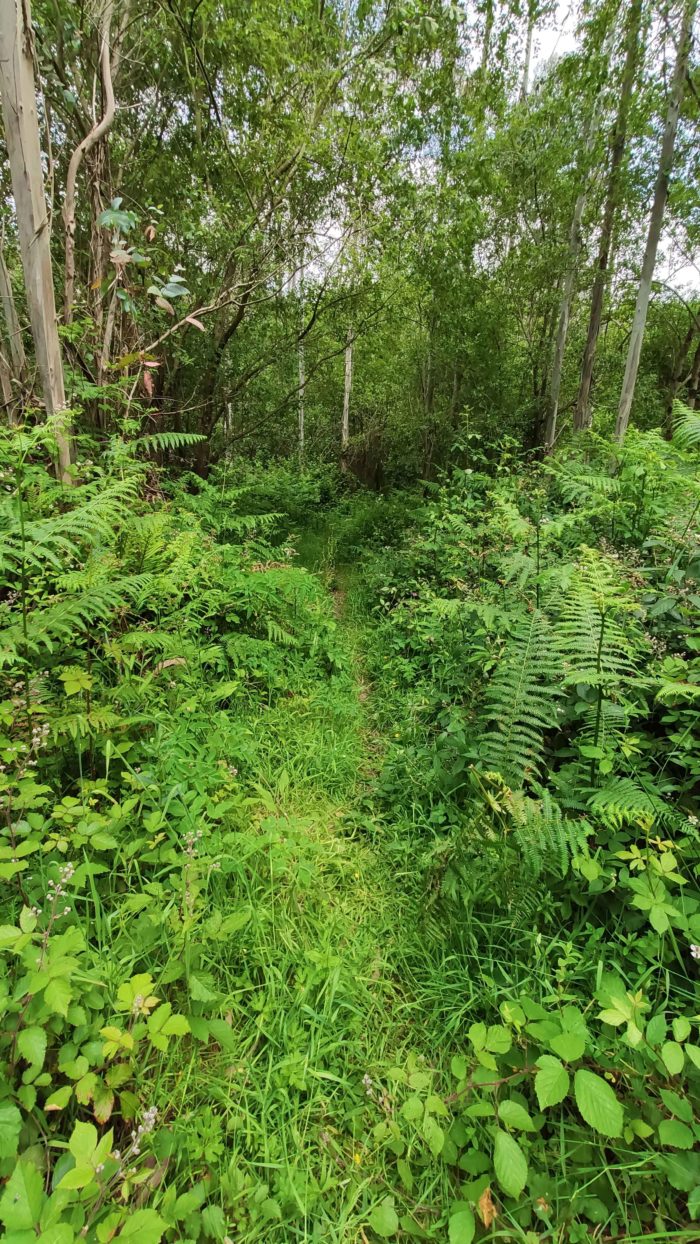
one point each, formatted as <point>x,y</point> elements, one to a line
<point>165,305</point>
<point>148,383</point>
<point>197,323</point>
<point>102,1102</point>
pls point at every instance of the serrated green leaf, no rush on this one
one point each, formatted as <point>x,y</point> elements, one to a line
<point>10,1128</point>
<point>510,1164</point>
<point>83,1143</point>
<point>31,1043</point>
<point>143,1227</point>
<point>597,1103</point>
<point>551,1081</point>
<point>675,1134</point>
<point>58,996</point>
<point>514,1115</point>
<point>79,1176</point>
<point>23,1198</point>
<point>569,1045</point>
<point>214,1222</point>
<point>412,1109</point>
<point>60,1099</point>
<point>678,1106</point>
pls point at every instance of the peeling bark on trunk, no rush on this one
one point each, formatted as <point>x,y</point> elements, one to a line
<point>656,220</point>
<point>22,138</point>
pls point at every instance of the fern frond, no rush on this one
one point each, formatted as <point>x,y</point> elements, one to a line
<point>166,440</point>
<point>622,801</point>
<point>278,635</point>
<point>521,700</point>
<point>686,427</point>
<point>546,840</point>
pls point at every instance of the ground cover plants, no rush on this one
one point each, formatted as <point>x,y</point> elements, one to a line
<point>349,622</point>
<point>338,904</point>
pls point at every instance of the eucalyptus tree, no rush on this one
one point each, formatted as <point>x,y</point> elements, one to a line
<point>601,34</point>
<point>19,107</point>
<point>616,157</point>
<point>675,100</point>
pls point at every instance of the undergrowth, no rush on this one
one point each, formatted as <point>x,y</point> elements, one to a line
<point>350,895</point>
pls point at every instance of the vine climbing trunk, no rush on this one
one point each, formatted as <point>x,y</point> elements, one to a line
<point>22,137</point>
<point>656,219</point>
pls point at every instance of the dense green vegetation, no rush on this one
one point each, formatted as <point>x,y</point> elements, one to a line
<point>349,623</point>
<point>370,899</point>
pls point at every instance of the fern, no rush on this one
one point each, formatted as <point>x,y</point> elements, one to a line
<point>278,635</point>
<point>521,700</point>
<point>157,441</point>
<point>547,841</point>
<point>598,649</point>
<point>686,427</point>
<point>624,801</point>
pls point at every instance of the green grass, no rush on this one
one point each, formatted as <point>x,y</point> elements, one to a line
<point>313,987</point>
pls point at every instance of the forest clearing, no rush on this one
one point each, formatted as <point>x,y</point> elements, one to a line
<point>350,621</point>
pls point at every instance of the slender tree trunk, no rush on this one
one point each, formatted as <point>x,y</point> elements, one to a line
<point>488,30</point>
<point>301,363</point>
<point>694,381</point>
<point>525,84</point>
<point>582,411</point>
<point>8,398</point>
<point>97,172</point>
<point>18,358</point>
<point>656,219</point>
<point>679,373</point>
<point>106,351</point>
<point>96,133</point>
<point>454,398</point>
<point>345,428</point>
<point>590,131</point>
<point>22,138</point>
<point>302,388</point>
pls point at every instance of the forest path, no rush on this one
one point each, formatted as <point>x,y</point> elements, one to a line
<point>332,1007</point>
